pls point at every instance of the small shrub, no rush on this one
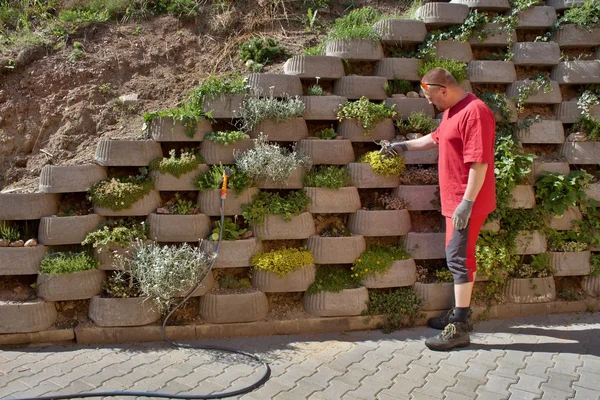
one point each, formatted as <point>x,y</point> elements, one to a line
<point>120,193</point>
<point>417,122</point>
<point>397,86</point>
<point>226,138</point>
<point>258,52</point>
<point>386,166</point>
<point>76,55</point>
<point>9,233</point>
<point>456,68</point>
<point>283,261</point>
<point>332,279</point>
<point>175,165</point>
<point>213,179</point>
<point>189,114</point>
<point>331,176</point>
<point>366,113</point>
<point>326,134</point>
<point>120,232</point>
<point>180,206</point>
<point>588,125</point>
<point>270,162</point>
<point>586,15</point>
<point>256,110</point>
<point>214,86</point>
<point>357,24</point>
<point>400,306</point>
<point>121,285</point>
<point>268,203</point>
<point>557,192</point>
<point>231,230</point>
<point>377,259</point>
<point>316,90</point>
<point>67,263</point>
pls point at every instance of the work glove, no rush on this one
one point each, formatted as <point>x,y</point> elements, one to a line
<point>460,218</point>
<point>392,149</point>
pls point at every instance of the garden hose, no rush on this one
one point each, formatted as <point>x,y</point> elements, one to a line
<point>222,395</point>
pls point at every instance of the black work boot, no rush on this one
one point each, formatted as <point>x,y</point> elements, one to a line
<point>455,334</point>
<point>446,318</point>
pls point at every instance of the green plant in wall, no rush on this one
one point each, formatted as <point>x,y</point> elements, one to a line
<point>590,97</point>
<point>358,24</point>
<point>121,285</point>
<point>386,166</point>
<point>458,69</point>
<point>397,86</point>
<point>377,259</point>
<point>217,86</point>
<point>258,52</point>
<point>538,267</point>
<point>270,203</point>
<point>590,126</point>
<point>531,88</point>
<point>233,283</point>
<point>178,205</point>
<point>401,307</point>
<point>187,113</point>
<point>283,261</point>
<point>586,15</point>
<point>9,233</point>
<point>417,122</point>
<point>365,112</point>
<point>326,134</point>
<point>557,192</point>
<point>595,265</point>
<point>565,241</point>
<point>122,192</point>
<point>333,279</point>
<point>330,176</point>
<point>213,179</point>
<point>231,230</point>
<point>256,110</point>
<point>225,138</point>
<point>67,263</point>
<point>270,162</point>
<point>121,232</point>
<point>177,165</point>
<point>316,90</point>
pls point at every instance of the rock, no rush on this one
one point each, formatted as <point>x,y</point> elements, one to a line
<point>412,95</point>
<point>411,136</point>
<point>29,55</point>
<point>162,210</point>
<point>129,99</point>
<point>17,243</point>
<point>246,235</point>
<point>3,243</point>
<point>31,243</point>
<point>399,96</point>
<point>577,137</point>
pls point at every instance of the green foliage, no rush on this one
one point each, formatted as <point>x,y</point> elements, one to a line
<point>269,162</point>
<point>120,193</point>
<point>366,113</point>
<point>268,203</point>
<point>386,166</point>
<point>121,232</point>
<point>121,285</point>
<point>231,230</point>
<point>498,103</point>
<point>326,134</point>
<point>443,276</point>
<point>76,54</point>
<point>187,113</point>
<point>377,259</point>
<point>316,90</point>
<point>533,87</point>
<point>565,241</point>
<point>256,110</point>
<point>595,264</point>
<point>226,138</point>
<point>213,179</point>
<point>401,306</point>
<point>9,233</point>
<point>496,255</point>
<point>458,69</point>
<point>214,87</point>
<point>318,50</point>
<point>330,176</point>
<point>588,125</point>
<point>417,122</point>
<point>558,192</point>
<point>175,165</point>
<point>397,86</point>
<point>164,272</point>
<point>358,24</point>
<point>589,98</point>
<point>586,15</point>
<point>257,52</point>
<point>332,279</point>
<point>231,282</point>
<point>183,207</point>
<point>283,261</point>
<point>539,267</point>
<point>67,263</point>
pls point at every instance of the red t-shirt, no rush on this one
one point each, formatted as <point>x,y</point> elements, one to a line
<point>466,135</point>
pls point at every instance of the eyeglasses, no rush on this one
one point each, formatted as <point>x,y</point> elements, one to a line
<point>425,86</point>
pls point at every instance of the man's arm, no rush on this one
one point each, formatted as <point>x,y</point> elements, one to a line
<point>423,143</point>
<point>477,174</point>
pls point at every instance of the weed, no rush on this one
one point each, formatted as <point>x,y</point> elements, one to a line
<point>105,88</point>
<point>9,233</point>
<point>316,90</point>
<point>137,31</point>
<point>256,110</point>
<point>258,52</point>
<point>120,193</point>
<point>588,125</point>
<point>121,232</point>
<point>214,87</point>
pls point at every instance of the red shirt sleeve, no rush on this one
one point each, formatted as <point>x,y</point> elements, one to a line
<point>435,135</point>
<point>478,139</point>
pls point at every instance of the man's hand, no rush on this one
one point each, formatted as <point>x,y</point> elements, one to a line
<point>460,218</point>
<point>392,149</point>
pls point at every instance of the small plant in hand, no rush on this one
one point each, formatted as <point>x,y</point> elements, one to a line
<point>268,203</point>
<point>326,134</point>
<point>121,232</point>
<point>401,306</point>
<point>231,231</point>
<point>283,261</point>
<point>333,279</point>
<point>456,68</point>
<point>382,165</point>
<point>213,179</point>
<point>176,165</point>
<point>328,176</point>
<point>417,122</point>
<point>121,285</point>
<point>269,162</point>
<point>122,192</point>
<point>226,138</point>
<point>258,52</point>
<point>256,110</point>
<point>365,112</point>
<point>67,263</point>
<point>377,259</point>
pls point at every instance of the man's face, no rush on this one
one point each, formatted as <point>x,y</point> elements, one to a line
<point>435,94</point>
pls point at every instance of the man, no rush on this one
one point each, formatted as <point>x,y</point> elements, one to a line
<point>465,139</point>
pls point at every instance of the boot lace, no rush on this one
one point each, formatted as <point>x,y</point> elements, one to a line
<point>449,331</point>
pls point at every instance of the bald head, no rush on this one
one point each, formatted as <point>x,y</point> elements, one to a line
<point>441,77</point>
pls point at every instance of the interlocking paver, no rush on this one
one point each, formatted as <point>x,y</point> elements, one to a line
<point>518,394</point>
<point>588,380</point>
<point>555,394</point>
<point>582,393</point>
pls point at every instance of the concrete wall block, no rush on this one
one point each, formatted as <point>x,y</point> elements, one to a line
<point>73,286</point>
<point>541,168</point>
<point>570,263</point>
<point>295,281</point>
<point>276,228</point>
<point>581,152</point>
<point>435,296</point>
<point>322,107</point>
<point>426,246</point>
<point>577,72</point>
<point>70,178</point>
<point>133,311</point>
<point>453,49</point>
<point>55,231</point>
<point>333,201</point>
<point>536,54</point>
<point>328,152</point>
<point>323,67</point>
<point>496,37</point>
<point>287,131</point>
<point>419,197</point>
<point>543,132</point>
<point>539,17</point>
<point>568,112</point>
<point>442,14</point>
<point>23,317</point>
<point>421,156</point>
<point>560,5</point>
<point>362,176</point>
<point>210,201</point>
<point>355,87</point>
<point>535,290</point>
<point>225,106</point>
<point>355,50</point>
<point>591,285</point>
<point>531,242</point>
<point>233,253</point>
<point>523,196</point>
<point>166,182</point>
<point>348,302</point>
<point>350,129</point>
<point>398,68</point>
<point>336,250</point>
<point>223,308</point>
<point>27,206</point>
<point>552,97</point>
<point>21,260</point>
<point>215,153</point>
<point>401,31</point>
<point>178,228</point>
<point>401,273</point>
<point>565,222</point>
<point>143,207</point>
<point>127,153</point>
<point>380,222</point>
<point>593,191</point>
<point>405,106</point>
<point>491,71</point>
<point>165,129</point>
<point>283,85</point>
<point>572,35</point>
<point>485,5</point>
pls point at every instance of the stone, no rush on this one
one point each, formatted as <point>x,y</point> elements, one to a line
<point>543,132</point>
<point>496,37</point>
<point>56,231</point>
<point>412,95</point>
<point>17,243</point>
<point>552,97</point>
<point>581,152</point>
<point>127,153</point>
<point>581,72</point>
<point>577,137</point>
<point>398,68</point>
<point>561,5</point>
<point>536,54</point>
<point>453,49</point>
<point>401,31</point>
<point>3,243</point>
<point>568,112</point>
<point>70,178</point>
<point>355,50</point>
<point>539,17</point>
<point>324,67</point>
<point>485,5</point>
<point>129,99</point>
<point>442,14</point>
<point>276,85</point>
<point>572,35</point>
<point>491,71</point>
<point>355,87</point>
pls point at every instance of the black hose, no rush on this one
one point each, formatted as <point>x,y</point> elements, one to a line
<point>221,395</point>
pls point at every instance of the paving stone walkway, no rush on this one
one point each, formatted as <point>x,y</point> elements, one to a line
<point>544,357</point>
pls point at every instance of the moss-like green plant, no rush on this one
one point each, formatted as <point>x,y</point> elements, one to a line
<point>213,179</point>
<point>283,261</point>
<point>67,263</point>
<point>175,165</point>
<point>268,203</point>
<point>401,307</point>
<point>121,232</point>
<point>417,122</point>
<point>326,134</point>
<point>332,279</point>
<point>458,69</point>
<point>386,166</point>
<point>120,193</point>
<point>377,259</point>
<point>225,138</point>
<point>330,176</point>
<point>365,112</point>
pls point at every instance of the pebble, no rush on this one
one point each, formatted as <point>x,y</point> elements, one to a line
<point>577,137</point>
<point>412,95</point>
<point>3,243</point>
<point>31,243</point>
<point>17,243</point>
